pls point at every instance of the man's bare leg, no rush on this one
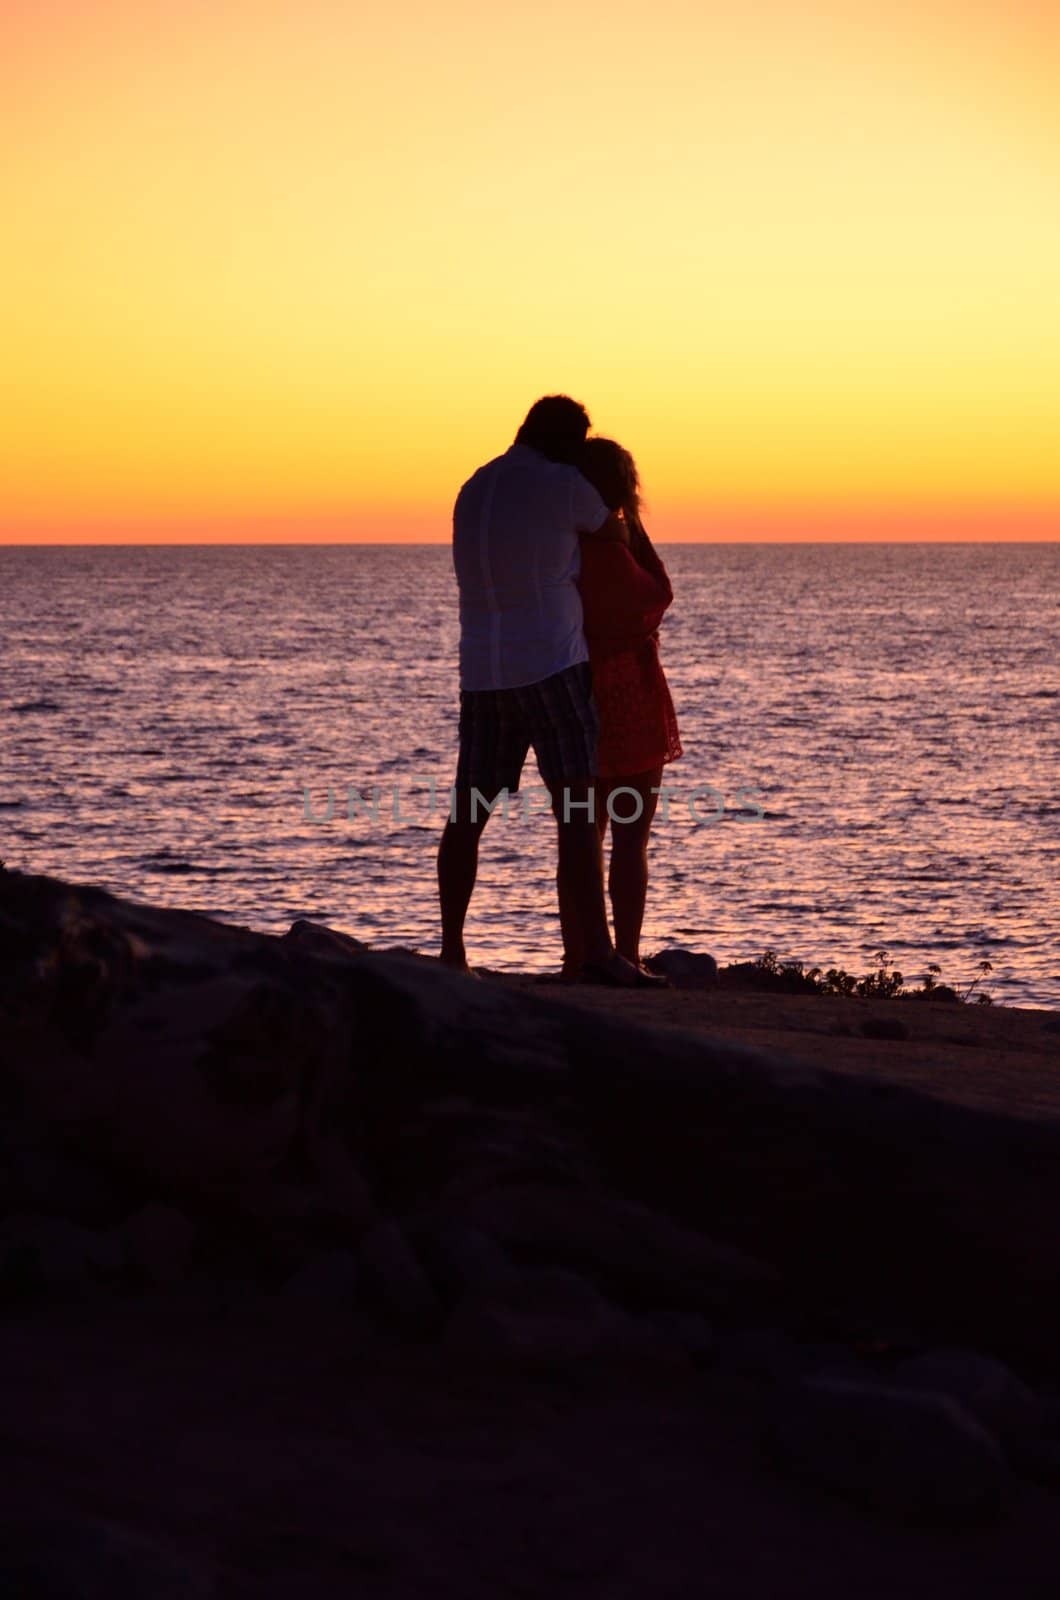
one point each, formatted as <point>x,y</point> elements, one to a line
<point>581,874</point>
<point>570,927</point>
<point>457,869</point>
<point>574,955</point>
<point>583,918</point>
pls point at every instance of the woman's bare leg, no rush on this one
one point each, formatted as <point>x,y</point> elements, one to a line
<point>628,877</point>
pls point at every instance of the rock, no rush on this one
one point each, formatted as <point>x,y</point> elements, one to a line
<point>304,1083</point>
<point>39,1253</point>
<point>686,969</point>
<point>1049,1400</point>
<point>395,1283</point>
<point>635,1251</point>
<point>329,1279</point>
<point>479,1147</point>
<point>1038,1459</point>
<point>58,1183</point>
<point>159,1243</point>
<point>987,1390</point>
<point>341,1184</point>
<point>884,1028</point>
<point>462,1260</point>
<point>913,1454</point>
<point>553,1321</point>
<point>313,938</point>
<point>493,1333</point>
<point>274,1203</point>
<point>763,1355</point>
<point>690,1331</point>
<point>83,1559</point>
<point>771,1356</point>
<point>1051,1024</point>
<point>197,1091</point>
<point>560,1291</point>
<point>822,1358</point>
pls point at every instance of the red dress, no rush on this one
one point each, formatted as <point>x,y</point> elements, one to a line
<point>623,602</point>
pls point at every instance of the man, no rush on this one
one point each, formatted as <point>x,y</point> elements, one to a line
<point>524,668</point>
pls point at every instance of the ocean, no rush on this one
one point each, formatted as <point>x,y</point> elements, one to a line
<point>871,732</point>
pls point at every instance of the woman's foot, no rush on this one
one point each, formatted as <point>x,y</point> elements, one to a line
<point>617,973</point>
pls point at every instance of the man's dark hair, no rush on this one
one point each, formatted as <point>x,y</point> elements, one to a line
<point>556,426</point>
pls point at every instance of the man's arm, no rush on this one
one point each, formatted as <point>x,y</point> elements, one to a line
<point>614,528</point>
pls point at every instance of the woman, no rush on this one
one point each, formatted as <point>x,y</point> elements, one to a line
<point>625,591</point>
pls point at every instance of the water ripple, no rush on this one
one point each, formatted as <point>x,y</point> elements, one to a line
<point>892,707</point>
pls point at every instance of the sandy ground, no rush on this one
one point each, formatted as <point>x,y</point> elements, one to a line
<point>997,1057</point>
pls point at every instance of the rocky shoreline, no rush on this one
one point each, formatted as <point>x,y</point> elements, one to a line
<point>671,1199</point>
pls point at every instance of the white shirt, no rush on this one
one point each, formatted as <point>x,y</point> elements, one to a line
<point>516,555</point>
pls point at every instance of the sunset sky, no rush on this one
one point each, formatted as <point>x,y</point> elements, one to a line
<point>291,269</point>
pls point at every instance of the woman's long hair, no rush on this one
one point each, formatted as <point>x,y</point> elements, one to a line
<point>612,472</point>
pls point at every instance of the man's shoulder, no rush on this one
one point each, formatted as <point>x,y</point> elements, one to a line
<point>477,476</point>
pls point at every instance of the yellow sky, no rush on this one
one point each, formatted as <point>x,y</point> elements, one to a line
<point>279,269</point>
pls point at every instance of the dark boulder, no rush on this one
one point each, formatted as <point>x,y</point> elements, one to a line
<point>685,969</point>
<point>915,1455</point>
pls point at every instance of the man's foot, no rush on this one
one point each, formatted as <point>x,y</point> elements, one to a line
<point>617,973</point>
<point>457,960</point>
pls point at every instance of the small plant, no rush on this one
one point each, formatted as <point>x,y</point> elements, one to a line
<point>985,968</point>
<point>836,981</point>
<point>930,987</point>
<point>883,983</point>
<point>785,977</point>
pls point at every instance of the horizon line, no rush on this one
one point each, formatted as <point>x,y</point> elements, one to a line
<point>444,544</point>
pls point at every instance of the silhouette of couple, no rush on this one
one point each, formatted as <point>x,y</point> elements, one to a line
<point>561,596</point>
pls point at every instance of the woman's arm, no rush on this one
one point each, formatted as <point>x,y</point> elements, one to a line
<point>646,554</point>
<point>622,601</point>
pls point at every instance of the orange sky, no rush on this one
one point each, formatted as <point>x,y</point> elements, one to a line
<point>292,270</point>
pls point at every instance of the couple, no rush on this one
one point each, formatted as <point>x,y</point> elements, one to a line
<point>561,596</point>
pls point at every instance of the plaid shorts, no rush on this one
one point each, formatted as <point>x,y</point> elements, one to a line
<point>497,727</point>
